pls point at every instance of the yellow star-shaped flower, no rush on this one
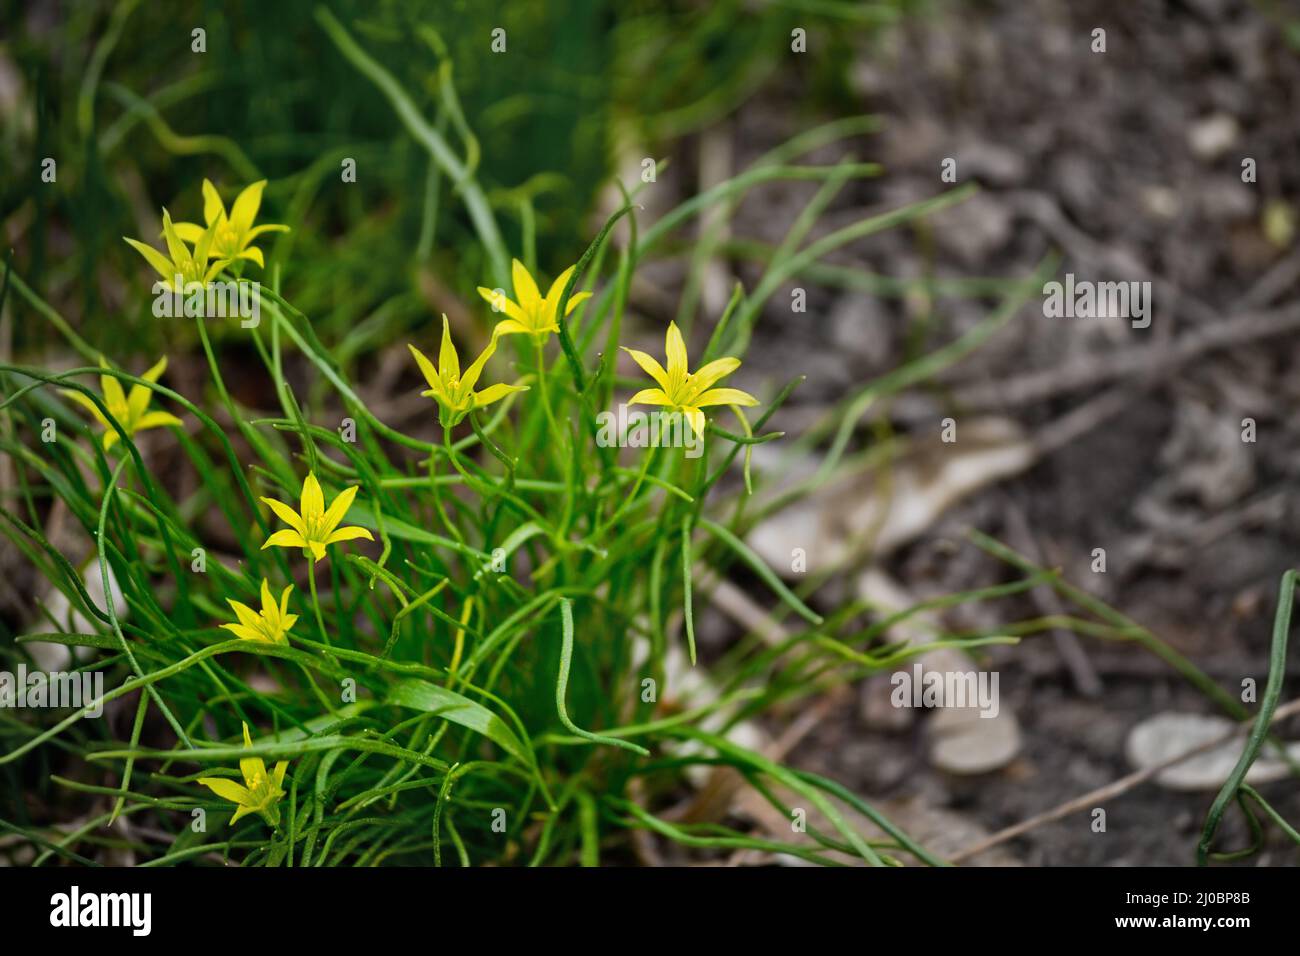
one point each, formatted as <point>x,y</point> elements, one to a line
<point>131,411</point>
<point>683,391</point>
<point>531,313</point>
<point>270,625</point>
<point>232,235</point>
<point>260,793</point>
<point>314,528</point>
<point>180,261</point>
<point>454,391</point>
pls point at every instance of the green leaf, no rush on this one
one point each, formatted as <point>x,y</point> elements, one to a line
<point>421,695</point>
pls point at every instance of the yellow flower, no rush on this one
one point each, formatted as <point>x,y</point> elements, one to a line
<point>531,313</point>
<point>260,792</point>
<point>190,266</point>
<point>233,234</point>
<point>683,391</point>
<point>453,391</point>
<point>270,625</point>
<point>131,411</point>
<point>313,529</point>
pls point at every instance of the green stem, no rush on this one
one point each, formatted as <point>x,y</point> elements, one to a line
<point>315,603</point>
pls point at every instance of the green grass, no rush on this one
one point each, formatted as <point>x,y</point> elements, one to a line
<point>489,680</point>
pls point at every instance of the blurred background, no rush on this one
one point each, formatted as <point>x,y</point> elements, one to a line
<point>1073,435</point>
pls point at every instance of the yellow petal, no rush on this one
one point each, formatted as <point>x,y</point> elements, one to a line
<point>161,264</point>
<point>268,602</point>
<point>338,508</point>
<point>246,205</point>
<point>696,418</point>
<point>83,399</point>
<point>500,302</point>
<point>175,248</point>
<point>313,501</point>
<point>265,227</point>
<point>470,378</point>
<point>494,393</point>
<point>189,232</point>
<point>650,366</point>
<point>448,360</point>
<point>157,420</point>
<point>245,632</point>
<point>525,288</point>
<point>288,538</point>
<point>286,514</point>
<point>649,396</point>
<point>510,327</point>
<point>576,300</point>
<point>347,534</point>
<point>114,397</point>
<point>213,207</point>
<point>708,374</point>
<point>426,368</point>
<point>226,789</point>
<point>247,616</point>
<point>675,349</point>
<point>725,396</point>
<point>253,254</point>
<point>138,400</point>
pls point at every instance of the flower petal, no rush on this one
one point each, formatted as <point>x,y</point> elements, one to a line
<point>576,300</point>
<point>265,227</point>
<point>156,420</point>
<point>245,632</point>
<point>213,207</point>
<point>313,500</point>
<point>286,514</point>
<point>114,397</point>
<point>708,375</point>
<point>426,368</point>
<point>246,205</point>
<point>696,418</point>
<point>348,534</point>
<point>675,350</point>
<point>286,538</point>
<point>161,264</point>
<point>253,254</point>
<point>525,288</point>
<point>650,366</point>
<point>138,400</point>
<point>649,396</point>
<point>494,393</point>
<point>189,232</point>
<point>82,399</point>
<point>471,376</point>
<point>448,360</point>
<point>725,396</point>
<point>175,248</point>
<point>501,302</point>
<point>337,509</point>
<point>510,327</point>
<point>247,616</point>
<point>226,789</point>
